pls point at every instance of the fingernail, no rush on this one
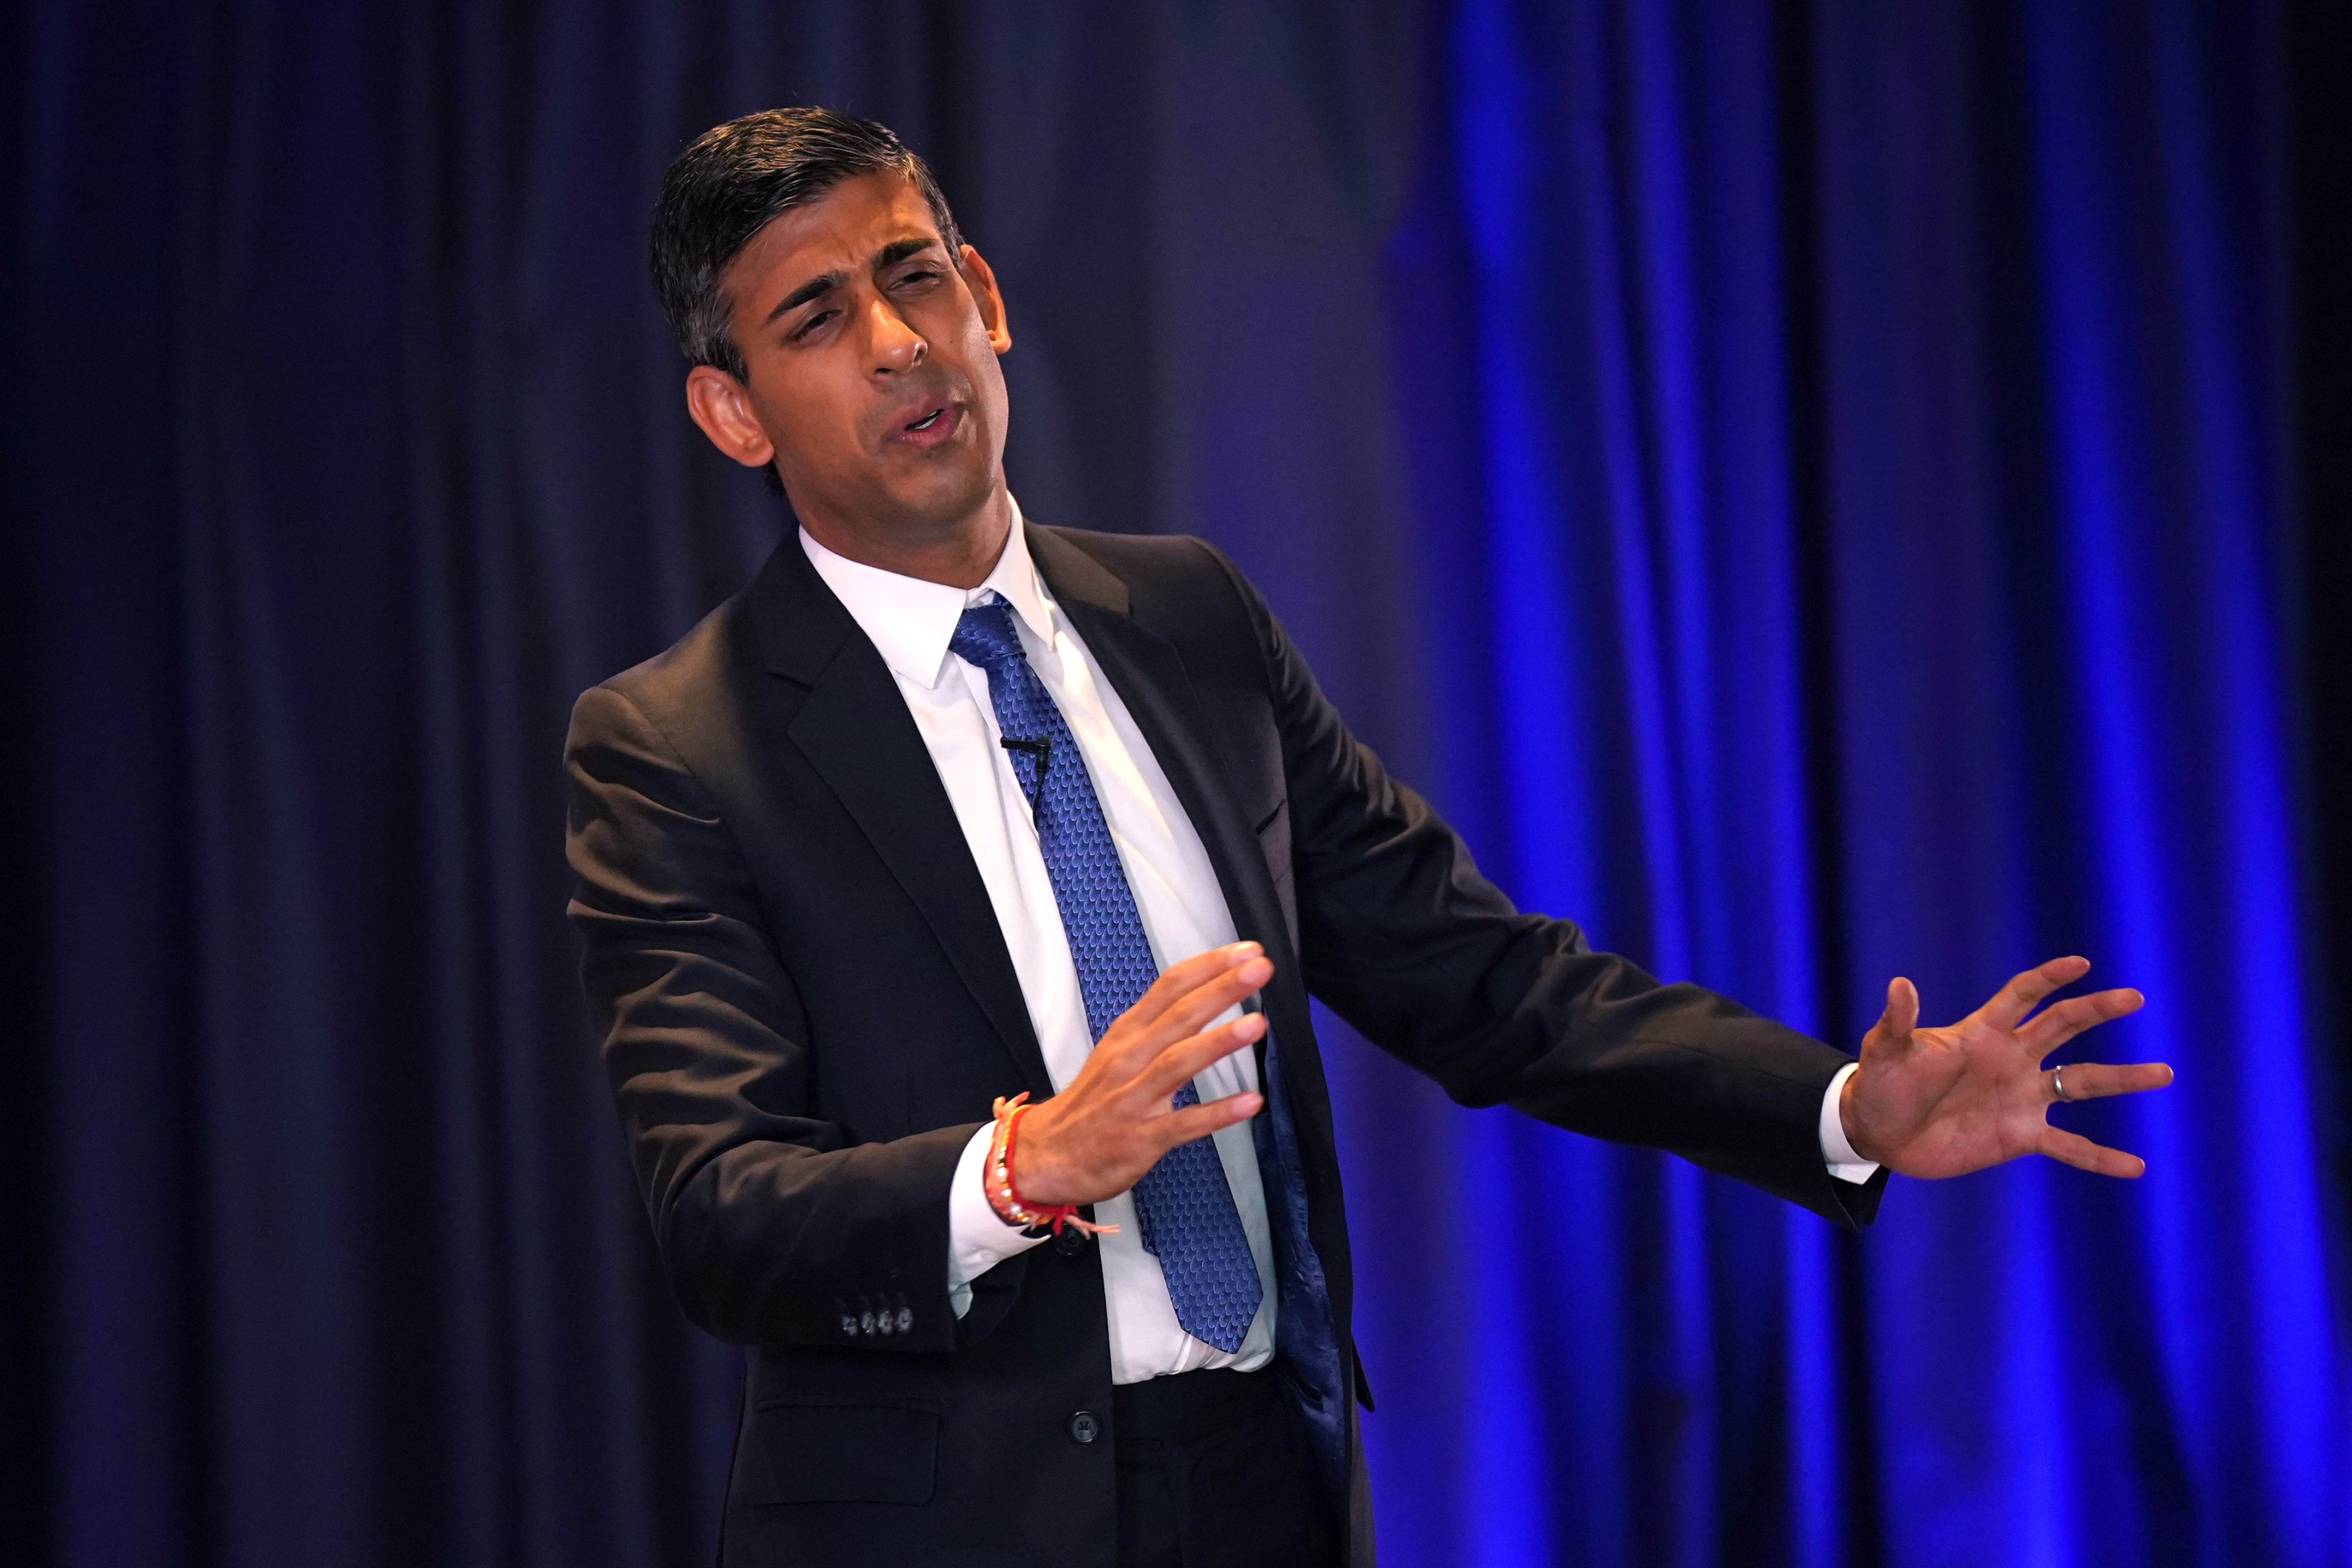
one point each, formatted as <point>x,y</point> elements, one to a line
<point>1243,949</point>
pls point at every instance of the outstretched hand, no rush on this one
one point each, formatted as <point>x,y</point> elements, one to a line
<point>1946,1101</point>
<point>1096,1138</point>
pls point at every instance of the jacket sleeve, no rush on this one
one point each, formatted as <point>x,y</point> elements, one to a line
<point>1401,935</point>
<point>772,1225</point>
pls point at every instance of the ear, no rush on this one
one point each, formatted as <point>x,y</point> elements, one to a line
<point>982,281</point>
<point>717,403</point>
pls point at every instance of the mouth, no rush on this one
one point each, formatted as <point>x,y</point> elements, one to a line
<point>930,426</point>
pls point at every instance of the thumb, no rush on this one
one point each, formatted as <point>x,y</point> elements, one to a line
<point>1893,1031</point>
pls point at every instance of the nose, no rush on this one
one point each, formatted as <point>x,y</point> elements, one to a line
<point>895,347</point>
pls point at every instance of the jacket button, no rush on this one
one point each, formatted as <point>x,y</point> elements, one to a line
<point>1069,1239</point>
<point>1084,1428</point>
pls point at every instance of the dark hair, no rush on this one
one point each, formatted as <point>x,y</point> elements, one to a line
<point>738,177</point>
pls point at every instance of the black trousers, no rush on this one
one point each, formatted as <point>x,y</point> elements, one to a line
<point>1214,1472</point>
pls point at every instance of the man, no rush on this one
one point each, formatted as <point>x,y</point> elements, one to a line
<point>948,808</point>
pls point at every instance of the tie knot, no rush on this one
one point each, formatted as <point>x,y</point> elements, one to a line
<point>986,636</point>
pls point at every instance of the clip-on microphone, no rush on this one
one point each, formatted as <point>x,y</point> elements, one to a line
<point>1040,751</point>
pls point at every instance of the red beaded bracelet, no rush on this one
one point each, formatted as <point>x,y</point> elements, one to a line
<point>997,1179</point>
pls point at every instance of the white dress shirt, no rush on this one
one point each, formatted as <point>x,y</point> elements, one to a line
<point>1175,888</point>
<point>1184,911</point>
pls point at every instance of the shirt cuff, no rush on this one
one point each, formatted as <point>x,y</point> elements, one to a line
<point>1843,1162</point>
<point>977,1240</point>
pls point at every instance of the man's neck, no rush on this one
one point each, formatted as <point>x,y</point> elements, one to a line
<point>960,556</point>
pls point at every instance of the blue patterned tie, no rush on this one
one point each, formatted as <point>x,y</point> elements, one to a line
<point>1182,1203</point>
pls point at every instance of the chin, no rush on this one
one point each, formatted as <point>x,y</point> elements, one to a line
<point>945,497</point>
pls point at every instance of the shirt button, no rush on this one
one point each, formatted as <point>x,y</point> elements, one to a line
<point>1084,1426</point>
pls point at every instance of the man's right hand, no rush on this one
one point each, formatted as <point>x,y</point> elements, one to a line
<point>1095,1139</point>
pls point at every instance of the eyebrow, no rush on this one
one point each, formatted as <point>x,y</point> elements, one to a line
<point>816,288</point>
<point>825,283</point>
<point>898,250</point>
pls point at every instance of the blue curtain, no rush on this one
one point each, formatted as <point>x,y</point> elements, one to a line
<point>1639,1364</point>
<point>1864,426</point>
<point>1815,492</point>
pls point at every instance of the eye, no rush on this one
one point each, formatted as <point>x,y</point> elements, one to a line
<point>920,275</point>
<point>812,324</point>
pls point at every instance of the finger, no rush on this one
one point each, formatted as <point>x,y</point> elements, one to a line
<point>1207,1001</point>
<point>1181,979</point>
<point>1901,1007</point>
<point>1196,992</point>
<point>2069,1018</point>
<point>1179,1063</point>
<point>2024,992</point>
<point>2097,1081</point>
<point>1178,1127</point>
<point>2073,1148</point>
<point>1892,1033</point>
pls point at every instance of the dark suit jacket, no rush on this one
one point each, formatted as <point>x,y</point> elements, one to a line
<point>808,1007</point>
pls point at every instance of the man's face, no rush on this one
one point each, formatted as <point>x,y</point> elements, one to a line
<point>872,360</point>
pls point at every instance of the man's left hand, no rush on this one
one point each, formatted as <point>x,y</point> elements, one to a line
<point>1943,1102</point>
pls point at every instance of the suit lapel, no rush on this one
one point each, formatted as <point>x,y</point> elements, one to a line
<point>1150,677</point>
<point>856,731</point>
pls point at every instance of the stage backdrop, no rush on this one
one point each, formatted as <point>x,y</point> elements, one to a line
<point>1812,490</point>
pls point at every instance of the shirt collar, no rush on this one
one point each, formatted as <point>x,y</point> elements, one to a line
<point>911,620</point>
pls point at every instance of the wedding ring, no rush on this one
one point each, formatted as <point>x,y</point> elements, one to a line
<point>2058,1083</point>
